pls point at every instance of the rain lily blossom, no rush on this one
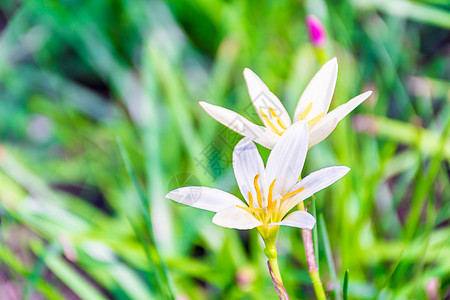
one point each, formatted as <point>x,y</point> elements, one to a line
<point>270,192</point>
<point>312,107</point>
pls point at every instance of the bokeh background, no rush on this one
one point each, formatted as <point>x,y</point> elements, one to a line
<point>99,120</point>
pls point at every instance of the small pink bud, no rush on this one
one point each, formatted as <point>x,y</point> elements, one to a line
<point>316,30</point>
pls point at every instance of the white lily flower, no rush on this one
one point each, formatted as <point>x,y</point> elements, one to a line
<point>270,193</point>
<point>312,107</point>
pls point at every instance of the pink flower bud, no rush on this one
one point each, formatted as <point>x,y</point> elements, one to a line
<point>316,30</point>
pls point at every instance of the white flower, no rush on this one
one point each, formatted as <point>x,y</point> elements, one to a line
<point>312,107</point>
<point>270,193</point>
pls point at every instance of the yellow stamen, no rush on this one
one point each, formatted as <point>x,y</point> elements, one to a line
<point>271,189</point>
<point>271,206</point>
<point>270,213</point>
<point>305,112</point>
<point>250,199</point>
<point>315,119</point>
<point>258,191</point>
<point>266,118</point>
<point>271,203</point>
<point>282,209</point>
<point>292,193</point>
<point>273,113</point>
<point>251,210</point>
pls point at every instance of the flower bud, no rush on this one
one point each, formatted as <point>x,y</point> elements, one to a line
<point>316,31</point>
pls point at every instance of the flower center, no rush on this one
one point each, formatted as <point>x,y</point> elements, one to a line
<point>276,124</point>
<point>305,113</point>
<point>269,210</point>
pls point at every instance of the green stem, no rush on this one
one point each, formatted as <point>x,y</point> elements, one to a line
<point>274,270</point>
<point>271,253</point>
<point>312,266</point>
<point>321,54</point>
<point>311,260</point>
<point>317,283</point>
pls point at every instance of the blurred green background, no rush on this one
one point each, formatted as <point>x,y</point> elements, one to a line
<point>99,120</point>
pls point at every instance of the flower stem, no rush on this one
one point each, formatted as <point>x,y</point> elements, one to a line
<point>274,270</point>
<point>271,253</point>
<point>276,279</point>
<point>311,260</point>
<point>321,54</point>
<point>312,267</point>
<point>317,283</point>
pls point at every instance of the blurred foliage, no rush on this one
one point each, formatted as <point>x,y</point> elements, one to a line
<point>75,76</point>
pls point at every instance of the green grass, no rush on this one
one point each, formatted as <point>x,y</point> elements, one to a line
<point>82,217</point>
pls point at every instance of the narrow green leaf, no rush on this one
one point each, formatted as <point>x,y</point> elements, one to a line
<point>329,257</point>
<point>417,11</point>
<point>10,259</point>
<point>345,286</point>
<point>35,275</point>
<point>158,264</point>
<point>132,174</point>
<point>314,232</point>
<point>145,245</point>
<point>77,283</point>
<point>427,141</point>
<point>424,183</point>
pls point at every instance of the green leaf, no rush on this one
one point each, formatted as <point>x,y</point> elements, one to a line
<point>314,232</point>
<point>345,286</point>
<point>329,256</point>
<point>158,265</point>
<point>66,273</point>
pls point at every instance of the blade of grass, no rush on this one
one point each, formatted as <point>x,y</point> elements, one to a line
<point>33,277</point>
<point>424,184</point>
<point>329,256</point>
<point>345,286</point>
<point>10,259</point>
<point>65,272</point>
<point>314,232</point>
<point>159,264</point>
<point>173,90</point>
<point>413,10</point>
<point>422,187</point>
<point>142,239</point>
<point>151,133</point>
<point>427,141</point>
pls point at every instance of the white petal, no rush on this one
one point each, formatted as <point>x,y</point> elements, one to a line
<point>241,125</point>
<point>286,160</point>
<point>235,217</point>
<point>204,198</point>
<point>321,130</point>
<point>313,183</point>
<point>263,98</point>
<point>299,218</point>
<point>319,91</point>
<point>247,163</point>
<point>342,110</point>
<point>326,125</point>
